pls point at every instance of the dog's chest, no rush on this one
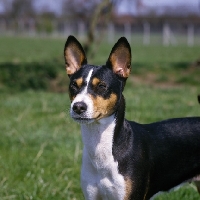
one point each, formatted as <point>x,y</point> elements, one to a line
<point>99,169</point>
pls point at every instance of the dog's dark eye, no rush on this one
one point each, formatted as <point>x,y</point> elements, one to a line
<point>74,85</point>
<point>102,86</point>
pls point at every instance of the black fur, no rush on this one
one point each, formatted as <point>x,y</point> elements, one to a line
<point>155,157</point>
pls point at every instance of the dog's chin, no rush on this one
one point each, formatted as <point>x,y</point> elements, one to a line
<point>82,120</point>
<point>85,119</point>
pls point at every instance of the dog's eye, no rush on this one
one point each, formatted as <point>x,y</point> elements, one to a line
<point>102,86</point>
<point>74,85</point>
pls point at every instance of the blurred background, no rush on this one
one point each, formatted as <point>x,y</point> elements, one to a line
<point>40,145</point>
<point>98,19</point>
<point>97,24</point>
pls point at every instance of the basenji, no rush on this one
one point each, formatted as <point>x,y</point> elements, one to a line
<point>123,159</point>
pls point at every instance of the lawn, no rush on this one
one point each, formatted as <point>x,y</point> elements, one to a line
<point>40,146</point>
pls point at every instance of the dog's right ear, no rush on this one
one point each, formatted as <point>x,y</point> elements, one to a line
<point>74,55</point>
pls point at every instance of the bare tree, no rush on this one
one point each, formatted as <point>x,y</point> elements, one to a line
<point>91,12</point>
<point>103,9</point>
<point>79,8</point>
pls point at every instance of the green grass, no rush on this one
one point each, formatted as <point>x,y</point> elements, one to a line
<point>40,145</point>
<point>20,49</point>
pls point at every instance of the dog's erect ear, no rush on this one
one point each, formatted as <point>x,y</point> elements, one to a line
<point>120,58</point>
<point>74,55</point>
<point>198,98</point>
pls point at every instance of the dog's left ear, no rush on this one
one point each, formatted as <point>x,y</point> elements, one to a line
<point>120,58</point>
<point>74,55</point>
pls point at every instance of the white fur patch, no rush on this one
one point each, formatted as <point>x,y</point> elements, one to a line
<point>100,178</point>
<point>84,97</point>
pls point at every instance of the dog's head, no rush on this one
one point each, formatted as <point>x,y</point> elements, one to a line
<point>95,91</point>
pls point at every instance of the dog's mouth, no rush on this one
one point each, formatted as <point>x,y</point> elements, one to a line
<point>83,120</point>
<point>86,120</point>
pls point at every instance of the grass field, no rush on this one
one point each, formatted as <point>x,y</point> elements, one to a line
<point>40,146</point>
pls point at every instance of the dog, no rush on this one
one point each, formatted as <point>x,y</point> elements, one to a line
<point>123,159</point>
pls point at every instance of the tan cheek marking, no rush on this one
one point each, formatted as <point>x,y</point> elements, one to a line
<point>128,189</point>
<point>103,107</point>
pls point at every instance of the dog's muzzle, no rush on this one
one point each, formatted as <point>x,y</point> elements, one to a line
<point>79,108</point>
<point>79,112</point>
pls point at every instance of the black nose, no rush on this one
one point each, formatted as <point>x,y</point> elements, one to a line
<point>79,107</point>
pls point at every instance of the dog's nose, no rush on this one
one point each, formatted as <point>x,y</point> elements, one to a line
<point>79,107</point>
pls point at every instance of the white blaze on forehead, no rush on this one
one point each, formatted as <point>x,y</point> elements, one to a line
<point>88,78</point>
<point>87,82</point>
<point>84,97</point>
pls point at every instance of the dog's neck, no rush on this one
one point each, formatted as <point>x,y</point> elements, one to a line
<point>120,117</point>
<point>98,137</point>
<point>98,157</point>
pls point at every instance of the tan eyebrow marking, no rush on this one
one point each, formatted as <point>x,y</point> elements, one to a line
<point>79,82</point>
<point>95,81</point>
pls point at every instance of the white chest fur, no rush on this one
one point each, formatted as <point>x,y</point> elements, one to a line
<point>100,178</point>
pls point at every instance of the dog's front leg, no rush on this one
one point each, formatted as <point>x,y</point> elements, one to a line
<point>90,191</point>
<point>89,178</point>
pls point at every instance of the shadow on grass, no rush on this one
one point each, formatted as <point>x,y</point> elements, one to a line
<point>36,76</point>
<point>51,76</point>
